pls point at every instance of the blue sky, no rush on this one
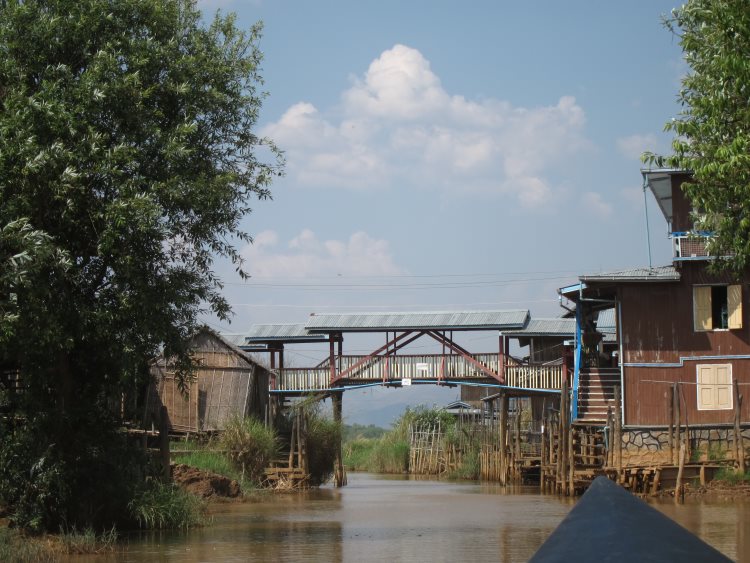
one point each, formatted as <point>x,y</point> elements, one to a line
<point>451,155</point>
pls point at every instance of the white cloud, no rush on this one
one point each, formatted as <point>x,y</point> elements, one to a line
<point>634,145</point>
<point>305,255</point>
<point>596,204</point>
<point>397,126</point>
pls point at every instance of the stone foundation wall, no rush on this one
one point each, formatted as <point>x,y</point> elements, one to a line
<point>651,446</point>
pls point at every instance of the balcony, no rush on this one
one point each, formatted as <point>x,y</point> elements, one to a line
<point>690,245</point>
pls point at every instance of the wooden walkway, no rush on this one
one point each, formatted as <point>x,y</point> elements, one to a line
<point>405,369</point>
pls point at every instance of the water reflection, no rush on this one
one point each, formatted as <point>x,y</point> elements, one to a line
<point>381,518</point>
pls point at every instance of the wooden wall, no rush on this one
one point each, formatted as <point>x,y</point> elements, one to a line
<point>657,328</point>
<point>227,382</point>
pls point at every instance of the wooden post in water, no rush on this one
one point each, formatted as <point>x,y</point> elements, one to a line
<point>543,457</point>
<point>571,461</point>
<point>609,454</point>
<point>670,406</point>
<point>562,447</point>
<point>739,446</point>
<point>503,438</point>
<point>517,442</point>
<point>339,476</point>
<point>164,441</point>
<point>678,422</point>
<point>618,432</point>
<point>678,490</point>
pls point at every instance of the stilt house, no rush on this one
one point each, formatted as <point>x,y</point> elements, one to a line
<point>674,337</point>
<point>227,382</point>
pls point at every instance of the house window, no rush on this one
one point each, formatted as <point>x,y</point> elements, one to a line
<point>714,386</point>
<point>717,307</point>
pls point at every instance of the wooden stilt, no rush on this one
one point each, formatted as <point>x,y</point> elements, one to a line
<point>739,446</point>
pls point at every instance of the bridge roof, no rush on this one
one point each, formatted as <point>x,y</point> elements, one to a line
<point>281,332</point>
<point>545,327</point>
<point>440,320</point>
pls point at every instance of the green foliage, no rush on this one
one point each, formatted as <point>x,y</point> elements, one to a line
<point>390,455</point>
<point>215,462</point>
<point>88,541</point>
<point>48,485</point>
<point>732,476</point>
<point>323,443</point>
<point>359,431</point>
<point>127,162</point>
<point>712,132</point>
<point>166,506</point>
<point>250,446</point>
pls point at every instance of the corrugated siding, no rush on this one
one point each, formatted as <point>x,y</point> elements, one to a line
<point>456,320</point>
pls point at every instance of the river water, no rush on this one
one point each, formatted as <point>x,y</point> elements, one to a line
<point>383,518</point>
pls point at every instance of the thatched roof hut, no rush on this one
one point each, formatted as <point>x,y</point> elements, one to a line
<point>227,382</point>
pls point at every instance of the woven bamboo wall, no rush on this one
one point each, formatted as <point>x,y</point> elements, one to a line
<point>227,382</point>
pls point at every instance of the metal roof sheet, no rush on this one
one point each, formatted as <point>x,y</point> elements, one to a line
<point>605,321</point>
<point>234,338</point>
<point>659,273</point>
<point>546,327</point>
<point>285,332</point>
<point>442,320</point>
<point>660,183</point>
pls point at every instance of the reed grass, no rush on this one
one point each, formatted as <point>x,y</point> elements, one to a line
<point>166,506</point>
<point>250,446</point>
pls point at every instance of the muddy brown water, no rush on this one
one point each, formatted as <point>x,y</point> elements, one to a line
<point>384,518</point>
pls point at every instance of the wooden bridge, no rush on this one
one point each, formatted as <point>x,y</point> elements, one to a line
<point>392,365</point>
<point>410,369</point>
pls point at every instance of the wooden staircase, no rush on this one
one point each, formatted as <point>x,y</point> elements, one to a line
<point>596,393</point>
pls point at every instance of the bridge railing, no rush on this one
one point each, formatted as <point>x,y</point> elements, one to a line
<point>421,366</point>
<point>530,376</point>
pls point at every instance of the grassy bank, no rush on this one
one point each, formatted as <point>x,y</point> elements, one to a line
<point>16,546</point>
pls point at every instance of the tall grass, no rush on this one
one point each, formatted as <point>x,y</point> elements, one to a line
<point>323,442</point>
<point>250,446</point>
<point>214,462</point>
<point>15,548</point>
<point>76,541</point>
<point>166,506</point>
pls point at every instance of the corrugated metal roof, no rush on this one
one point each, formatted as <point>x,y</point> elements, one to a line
<point>546,327</point>
<point>660,183</point>
<point>445,320</point>
<point>234,338</point>
<point>659,273</point>
<point>605,321</point>
<point>282,332</point>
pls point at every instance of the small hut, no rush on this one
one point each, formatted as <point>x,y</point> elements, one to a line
<point>227,382</point>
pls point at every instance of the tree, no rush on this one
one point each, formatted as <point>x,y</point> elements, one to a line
<point>127,162</point>
<point>713,129</point>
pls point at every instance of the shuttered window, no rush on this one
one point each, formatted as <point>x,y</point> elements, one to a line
<point>734,306</point>
<point>702,318</point>
<point>714,386</point>
<point>717,307</point>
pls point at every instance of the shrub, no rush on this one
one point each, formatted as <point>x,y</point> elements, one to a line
<point>166,506</point>
<point>323,443</point>
<point>250,446</point>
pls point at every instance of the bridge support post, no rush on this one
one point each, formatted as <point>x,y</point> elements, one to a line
<point>339,475</point>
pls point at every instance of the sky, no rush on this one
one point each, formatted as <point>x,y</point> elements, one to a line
<point>445,155</point>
